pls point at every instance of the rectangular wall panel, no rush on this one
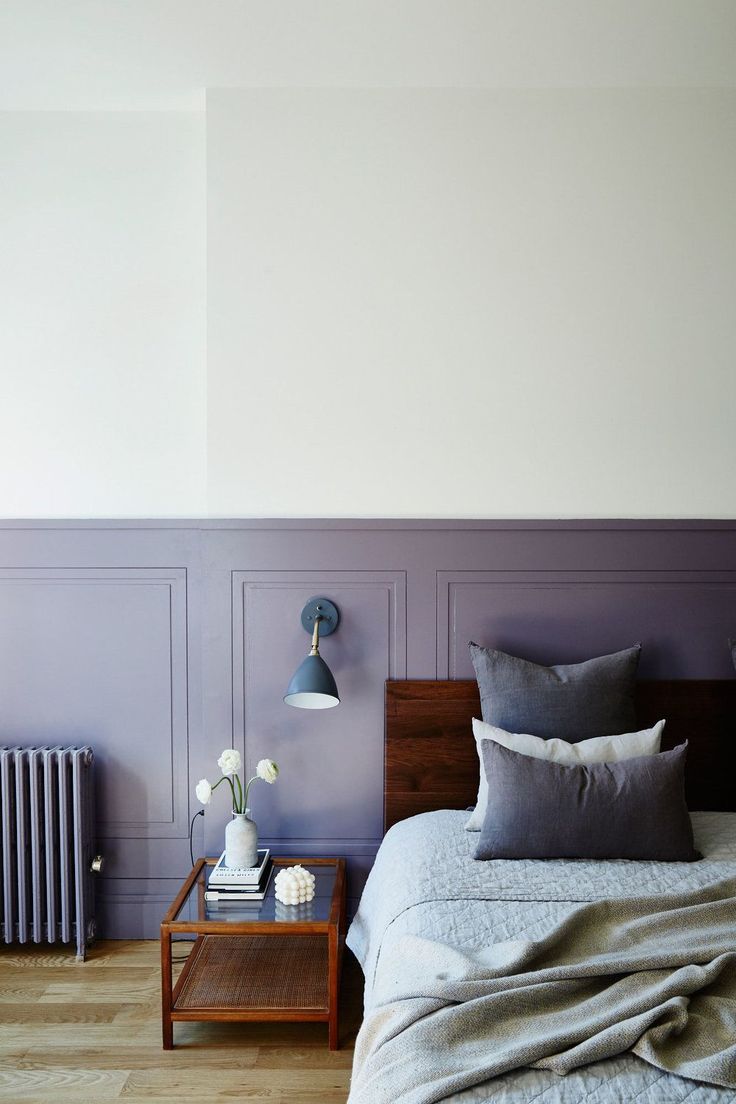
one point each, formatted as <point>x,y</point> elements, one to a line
<point>99,657</point>
<point>328,797</point>
<point>682,619</point>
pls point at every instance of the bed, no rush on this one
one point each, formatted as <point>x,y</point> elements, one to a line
<point>426,895</point>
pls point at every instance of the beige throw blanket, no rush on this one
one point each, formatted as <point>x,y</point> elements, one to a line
<point>656,976</point>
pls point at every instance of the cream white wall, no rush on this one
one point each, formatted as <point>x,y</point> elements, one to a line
<point>471,303</point>
<point>102,314</point>
<point>162,54</point>
<point>420,302</point>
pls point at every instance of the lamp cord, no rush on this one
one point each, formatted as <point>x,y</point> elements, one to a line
<point>199,812</point>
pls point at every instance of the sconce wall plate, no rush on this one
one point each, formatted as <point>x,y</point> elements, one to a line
<point>326,611</point>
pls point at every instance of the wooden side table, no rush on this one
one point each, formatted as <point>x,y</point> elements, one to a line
<point>262,961</point>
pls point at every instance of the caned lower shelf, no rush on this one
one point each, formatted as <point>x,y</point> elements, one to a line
<point>240,972</point>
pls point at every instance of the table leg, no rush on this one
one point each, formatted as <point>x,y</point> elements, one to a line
<point>167,1026</point>
<point>333,938</point>
<point>343,917</point>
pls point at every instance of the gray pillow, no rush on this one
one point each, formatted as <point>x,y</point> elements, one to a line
<point>572,701</point>
<point>537,809</point>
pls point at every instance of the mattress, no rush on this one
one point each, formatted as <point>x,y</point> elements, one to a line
<point>425,882</point>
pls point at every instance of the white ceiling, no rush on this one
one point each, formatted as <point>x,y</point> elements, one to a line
<point>162,54</point>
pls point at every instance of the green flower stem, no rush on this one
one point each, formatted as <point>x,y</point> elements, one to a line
<point>239,808</point>
<point>247,788</point>
<point>228,779</point>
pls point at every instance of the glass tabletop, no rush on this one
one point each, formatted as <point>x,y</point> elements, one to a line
<point>195,908</point>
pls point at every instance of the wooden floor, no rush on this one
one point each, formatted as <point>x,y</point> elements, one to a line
<point>86,1033</point>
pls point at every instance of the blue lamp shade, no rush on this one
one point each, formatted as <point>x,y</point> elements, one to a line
<point>313,685</point>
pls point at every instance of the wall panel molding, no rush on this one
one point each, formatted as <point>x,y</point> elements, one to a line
<point>163,610</point>
<point>496,599</point>
<point>162,666</point>
<point>368,648</point>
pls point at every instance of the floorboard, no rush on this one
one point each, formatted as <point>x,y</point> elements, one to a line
<point>88,1033</point>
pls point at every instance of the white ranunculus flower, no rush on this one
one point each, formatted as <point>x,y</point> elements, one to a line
<point>203,791</point>
<point>229,761</point>
<point>267,770</point>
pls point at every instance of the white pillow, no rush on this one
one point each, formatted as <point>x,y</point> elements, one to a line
<point>599,749</point>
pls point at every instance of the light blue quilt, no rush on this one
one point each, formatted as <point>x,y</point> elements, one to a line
<point>426,891</point>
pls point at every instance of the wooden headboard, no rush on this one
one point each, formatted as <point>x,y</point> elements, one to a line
<point>431,762</point>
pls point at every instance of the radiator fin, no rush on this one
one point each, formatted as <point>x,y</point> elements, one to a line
<point>46,845</point>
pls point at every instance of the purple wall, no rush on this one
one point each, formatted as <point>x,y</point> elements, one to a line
<point>162,643</point>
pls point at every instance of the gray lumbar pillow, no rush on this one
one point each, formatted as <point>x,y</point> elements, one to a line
<point>601,749</point>
<point>572,701</point>
<point>538,809</point>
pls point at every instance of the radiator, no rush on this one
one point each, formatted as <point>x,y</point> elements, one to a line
<point>47,842</point>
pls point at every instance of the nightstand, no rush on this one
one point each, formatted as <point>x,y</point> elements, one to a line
<point>265,961</point>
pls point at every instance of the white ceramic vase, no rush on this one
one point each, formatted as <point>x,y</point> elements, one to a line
<point>241,841</point>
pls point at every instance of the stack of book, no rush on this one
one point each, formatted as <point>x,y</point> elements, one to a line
<point>228,885</point>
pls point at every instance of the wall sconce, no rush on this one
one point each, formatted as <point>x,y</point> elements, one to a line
<point>313,685</point>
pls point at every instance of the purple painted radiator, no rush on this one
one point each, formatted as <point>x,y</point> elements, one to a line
<point>47,844</point>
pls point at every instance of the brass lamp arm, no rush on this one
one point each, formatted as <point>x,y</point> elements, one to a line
<point>315,636</point>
